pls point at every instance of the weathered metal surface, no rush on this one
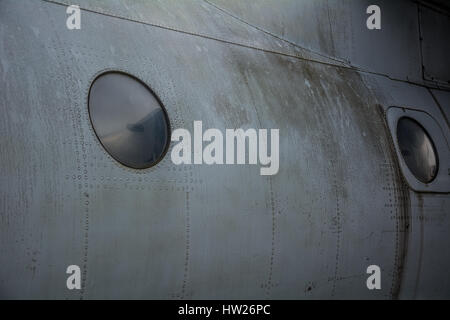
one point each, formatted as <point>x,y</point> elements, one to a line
<point>337,205</point>
<point>428,214</point>
<point>435,45</point>
<point>338,28</point>
<point>443,101</point>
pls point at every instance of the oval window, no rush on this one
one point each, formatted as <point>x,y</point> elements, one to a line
<point>417,149</point>
<point>129,120</point>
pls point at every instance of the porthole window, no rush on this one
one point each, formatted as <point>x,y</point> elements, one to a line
<point>417,149</point>
<point>128,119</point>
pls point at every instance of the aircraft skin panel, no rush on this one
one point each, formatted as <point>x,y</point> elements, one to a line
<point>337,205</point>
<point>389,93</point>
<point>337,28</point>
<point>428,214</point>
<point>198,19</point>
<point>443,100</point>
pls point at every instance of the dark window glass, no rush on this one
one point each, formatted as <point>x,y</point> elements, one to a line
<point>417,149</point>
<point>128,119</point>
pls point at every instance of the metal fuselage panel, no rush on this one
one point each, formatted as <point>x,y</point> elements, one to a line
<point>337,205</point>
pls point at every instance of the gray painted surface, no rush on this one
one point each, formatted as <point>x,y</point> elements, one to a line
<point>443,101</point>
<point>435,45</point>
<point>338,204</point>
<point>338,28</point>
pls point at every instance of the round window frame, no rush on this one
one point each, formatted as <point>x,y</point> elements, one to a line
<point>433,145</point>
<point>441,183</point>
<point>166,116</point>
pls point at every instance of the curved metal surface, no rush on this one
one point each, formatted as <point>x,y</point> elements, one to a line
<point>337,205</point>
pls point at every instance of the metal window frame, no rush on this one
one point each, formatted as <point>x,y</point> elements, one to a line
<point>441,183</point>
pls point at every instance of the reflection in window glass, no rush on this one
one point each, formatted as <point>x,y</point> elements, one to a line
<point>417,149</point>
<point>128,119</point>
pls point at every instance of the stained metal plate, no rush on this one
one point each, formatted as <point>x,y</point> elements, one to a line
<point>435,43</point>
